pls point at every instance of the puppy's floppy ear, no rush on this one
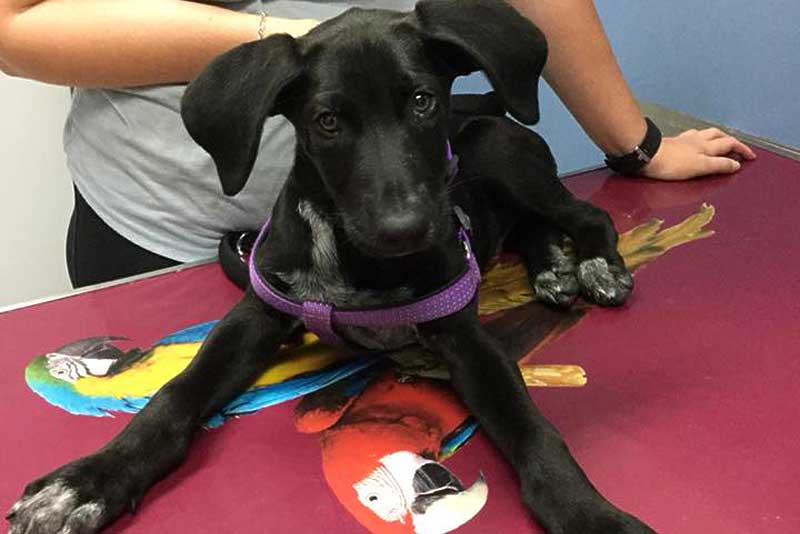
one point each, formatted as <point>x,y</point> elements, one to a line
<point>225,107</point>
<point>492,36</point>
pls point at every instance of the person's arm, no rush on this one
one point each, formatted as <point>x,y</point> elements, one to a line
<point>582,70</point>
<point>112,43</point>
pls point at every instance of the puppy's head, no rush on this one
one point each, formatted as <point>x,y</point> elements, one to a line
<point>368,95</point>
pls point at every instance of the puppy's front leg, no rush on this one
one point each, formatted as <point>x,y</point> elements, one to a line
<point>90,492</point>
<point>553,485</point>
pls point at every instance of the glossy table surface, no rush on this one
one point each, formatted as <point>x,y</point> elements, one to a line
<point>689,419</point>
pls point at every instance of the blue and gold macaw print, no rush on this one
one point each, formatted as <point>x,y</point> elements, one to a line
<point>94,377</point>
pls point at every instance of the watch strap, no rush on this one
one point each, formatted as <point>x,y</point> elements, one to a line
<point>632,162</point>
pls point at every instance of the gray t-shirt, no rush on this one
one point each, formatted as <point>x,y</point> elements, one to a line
<point>132,160</point>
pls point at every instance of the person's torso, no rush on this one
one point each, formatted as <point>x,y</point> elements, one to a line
<point>136,166</point>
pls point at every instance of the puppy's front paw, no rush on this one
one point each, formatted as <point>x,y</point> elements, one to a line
<point>557,288</point>
<point>80,497</point>
<point>604,284</point>
<point>559,284</point>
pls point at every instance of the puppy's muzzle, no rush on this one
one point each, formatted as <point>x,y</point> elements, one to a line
<point>402,233</point>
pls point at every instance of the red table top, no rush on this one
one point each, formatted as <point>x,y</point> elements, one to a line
<point>689,419</point>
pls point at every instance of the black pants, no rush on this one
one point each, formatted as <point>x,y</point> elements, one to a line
<point>96,253</point>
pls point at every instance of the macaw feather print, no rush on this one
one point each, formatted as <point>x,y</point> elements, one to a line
<point>93,376</point>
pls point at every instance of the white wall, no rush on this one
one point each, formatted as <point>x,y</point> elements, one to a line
<point>36,199</point>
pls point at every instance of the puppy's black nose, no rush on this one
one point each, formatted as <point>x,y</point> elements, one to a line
<point>403,232</point>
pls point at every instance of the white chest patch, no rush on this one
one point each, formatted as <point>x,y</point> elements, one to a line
<point>325,282</point>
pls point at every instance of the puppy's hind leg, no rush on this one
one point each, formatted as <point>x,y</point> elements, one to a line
<point>88,493</point>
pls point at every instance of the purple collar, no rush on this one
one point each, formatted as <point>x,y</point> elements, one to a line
<point>321,317</point>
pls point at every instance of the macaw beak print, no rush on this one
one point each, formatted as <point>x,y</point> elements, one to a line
<point>92,356</point>
<point>420,494</point>
<point>381,451</point>
<point>447,512</point>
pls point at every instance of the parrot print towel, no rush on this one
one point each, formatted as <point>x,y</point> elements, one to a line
<point>386,422</point>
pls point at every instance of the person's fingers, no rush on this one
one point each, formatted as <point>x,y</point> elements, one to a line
<point>721,146</point>
<point>712,133</point>
<point>722,143</point>
<point>719,165</point>
<point>693,154</point>
<point>728,145</point>
<point>744,150</point>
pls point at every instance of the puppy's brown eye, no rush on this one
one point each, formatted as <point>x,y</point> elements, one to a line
<point>328,122</point>
<point>423,102</point>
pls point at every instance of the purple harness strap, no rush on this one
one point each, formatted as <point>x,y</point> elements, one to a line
<point>321,317</point>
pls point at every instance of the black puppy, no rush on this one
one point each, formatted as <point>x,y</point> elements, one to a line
<point>366,218</point>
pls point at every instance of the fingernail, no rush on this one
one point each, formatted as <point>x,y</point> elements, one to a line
<point>736,165</point>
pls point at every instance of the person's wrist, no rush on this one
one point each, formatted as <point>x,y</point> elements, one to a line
<point>626,137</point>
<point>296,27</point>
<point>262,25</point>
<point>641,155</point>
<point>265,26</point>
<point>655,167</point>
<point>303,26</point>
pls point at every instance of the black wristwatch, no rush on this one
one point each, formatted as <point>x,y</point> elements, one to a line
<point>632,162</point>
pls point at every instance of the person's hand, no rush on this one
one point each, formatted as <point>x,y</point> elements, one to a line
<point>696,153</point>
